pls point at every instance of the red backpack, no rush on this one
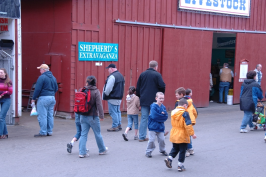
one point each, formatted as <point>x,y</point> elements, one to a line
<point>82,101</point>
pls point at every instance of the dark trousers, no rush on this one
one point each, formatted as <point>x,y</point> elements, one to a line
<point>181,149</point>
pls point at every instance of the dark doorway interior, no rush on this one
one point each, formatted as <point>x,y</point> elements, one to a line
<point>223,51</point>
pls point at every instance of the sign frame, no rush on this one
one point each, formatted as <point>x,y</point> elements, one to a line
<point>94,51</point>
<point>199,8</point>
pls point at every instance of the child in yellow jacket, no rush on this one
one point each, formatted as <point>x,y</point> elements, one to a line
<point>180,134</point>
<point>191,109</point>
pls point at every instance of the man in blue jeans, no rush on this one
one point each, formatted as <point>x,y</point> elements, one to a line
<point>45,89</point>
<point>113,92</point>
<point>250,93</point>
<point>226,75</point>
<point>149,83</point>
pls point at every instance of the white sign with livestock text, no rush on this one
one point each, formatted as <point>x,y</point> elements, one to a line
<point>232,7</point>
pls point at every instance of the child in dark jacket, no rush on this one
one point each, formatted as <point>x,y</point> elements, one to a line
<point>158,115</point>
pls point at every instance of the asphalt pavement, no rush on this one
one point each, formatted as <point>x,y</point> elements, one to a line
<point>220,150</point>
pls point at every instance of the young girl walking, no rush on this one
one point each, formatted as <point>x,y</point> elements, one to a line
<point>133,105</point>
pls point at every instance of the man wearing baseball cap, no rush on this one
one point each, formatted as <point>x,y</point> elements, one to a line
<point>113,92</point>
<point>45,89</point>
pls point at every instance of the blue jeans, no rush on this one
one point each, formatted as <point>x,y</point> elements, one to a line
<point>247,119</point>
<point>189,146</point>
<point>115,113</point>
<point>88,122</point>
<point>145,110</point>
<point>78,125</point>
<point>259,83</point>
<point>5,104</point>
<point>131,119</point>
<point>223,87</point>
<point>45,109</point>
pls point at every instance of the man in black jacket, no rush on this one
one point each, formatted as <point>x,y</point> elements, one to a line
<point>113,92</point>
<point>149,83</point>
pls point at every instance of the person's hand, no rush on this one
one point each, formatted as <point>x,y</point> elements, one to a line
<point>163,113</point>
<point>101,119</point>
<point>32,101</point>
<point>194,136</point>
<point>0,96</point>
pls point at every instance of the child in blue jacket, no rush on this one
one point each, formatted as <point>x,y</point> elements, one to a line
<point>158,115</point>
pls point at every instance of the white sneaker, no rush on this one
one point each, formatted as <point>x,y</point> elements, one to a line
<point>251,128</point>
<point>187,154</point>
<point>83,156</point>
<point>104,152</point>
<point>243,131</point>
<point>265,139</point>
<point>211,101</point>
<point>191,151</point>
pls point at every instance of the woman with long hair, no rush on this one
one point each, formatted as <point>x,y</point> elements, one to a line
<point>91,119</point>
<point>6,90</point>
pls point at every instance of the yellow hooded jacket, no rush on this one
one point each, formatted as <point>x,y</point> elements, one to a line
<point>181,126</point>
<point>193,114</point>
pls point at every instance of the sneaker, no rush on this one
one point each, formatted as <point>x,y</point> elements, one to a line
<point>146,139</point>
<point>181,168</point>
<point>104,152</point>
<point>148,154</point>
<point>136,137</point>
<point>168,162</point>
<point>83,156</point>
<point>119,127</point>
<point>164,153</point>
<point>125,136</point>
<point>211,101</point>
<point>187,154</point>
<point>265,139</point>
<point>49,134</point>
<point>252,128</point>
<point>69,147</point>
<point>243,131</point>
<point>166,133</point>
<point>191,151</point>
<point>115,129</point>
<point>39,135</point>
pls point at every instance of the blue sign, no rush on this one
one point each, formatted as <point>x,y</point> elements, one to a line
<point>90,51</point>
<point>226,42</point>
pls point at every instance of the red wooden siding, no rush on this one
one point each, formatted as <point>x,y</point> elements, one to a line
<point>46,31</point>
<point>137,46</point>
<point>187,63</point>
<point>252,48</point>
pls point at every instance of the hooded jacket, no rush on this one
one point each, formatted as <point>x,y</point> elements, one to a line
<point>181,126</point>
<point>157,118</point>
<point>46,85</point>
<point>250,93</point>
<point>149,83</point>
<point>191,109</point>
<point>133,104</point>
<point>96,102</point>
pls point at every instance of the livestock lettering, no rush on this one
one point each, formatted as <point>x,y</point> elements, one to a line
<point>236,4</point>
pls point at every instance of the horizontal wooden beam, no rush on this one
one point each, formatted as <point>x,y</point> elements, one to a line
<point>82,26</point>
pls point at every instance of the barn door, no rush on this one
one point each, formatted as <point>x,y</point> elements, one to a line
<point>252,48</point>
<point>186,62</point>
<point>6,62</point>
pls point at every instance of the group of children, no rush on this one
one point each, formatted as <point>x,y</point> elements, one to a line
<point>183,117</point>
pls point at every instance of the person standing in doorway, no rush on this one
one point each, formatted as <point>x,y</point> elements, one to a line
<point>113,92</point>
<point>226,75</point>
<point>45,89</point>
<point>6,90</point>
<point>149,83</point>
<point>259,73</point>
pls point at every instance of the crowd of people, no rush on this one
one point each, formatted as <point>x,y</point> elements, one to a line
<point>147,97</point>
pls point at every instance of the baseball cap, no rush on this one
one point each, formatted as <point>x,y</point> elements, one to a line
<point>111,66</point>
<point>43,66</point>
